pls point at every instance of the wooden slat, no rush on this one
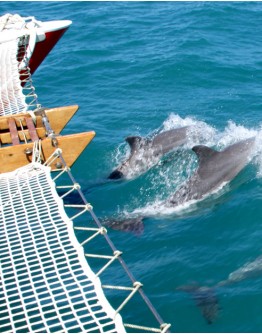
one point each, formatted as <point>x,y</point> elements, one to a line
<point>72,146</point>
<point>13,131</point>
<point>5,138</point>
<point>58,118</point>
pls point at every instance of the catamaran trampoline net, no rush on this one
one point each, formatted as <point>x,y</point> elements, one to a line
<point>46,283</point>
<point>17,93</point>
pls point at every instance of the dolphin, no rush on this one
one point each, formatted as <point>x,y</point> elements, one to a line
<point>145,152</point>
<point>133,225</point>
<point>249,270</point>
<point>215,169</point>
<point>206,299</point>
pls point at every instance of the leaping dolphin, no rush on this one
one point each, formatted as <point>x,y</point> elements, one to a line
<point>206,298</point>
<point>215,169</point>
<point>145,153</point>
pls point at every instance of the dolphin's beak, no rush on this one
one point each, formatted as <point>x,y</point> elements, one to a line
<point>116,174</point>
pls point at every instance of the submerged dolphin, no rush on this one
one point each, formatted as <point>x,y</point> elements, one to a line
<point>205,297</point>
<point>249,270</point>
<point>215,169</point>
<point>133,225</point>
<point>144,153</point>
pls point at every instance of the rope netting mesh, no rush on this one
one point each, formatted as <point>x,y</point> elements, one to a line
<point>12,98</point>
<point>46,283</point>
<point>17,93</point>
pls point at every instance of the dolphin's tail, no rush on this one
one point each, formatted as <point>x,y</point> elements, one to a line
<point>133,225</point>
<point>206,299</point>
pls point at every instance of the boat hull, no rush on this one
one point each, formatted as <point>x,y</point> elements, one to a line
<point>42,48</point>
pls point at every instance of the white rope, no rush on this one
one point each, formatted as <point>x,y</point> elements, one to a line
<point>46,283</point>
<point>37,151</point>
<point>22,129</point>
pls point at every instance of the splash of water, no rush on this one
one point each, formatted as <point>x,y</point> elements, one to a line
<point>199,133</point>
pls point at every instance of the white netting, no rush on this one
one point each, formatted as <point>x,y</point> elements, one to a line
<point>12,98</point>
<point>46,284</point>
<point>17,93</point>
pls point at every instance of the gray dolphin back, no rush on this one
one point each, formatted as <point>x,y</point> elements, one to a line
<point>170,139</point>
<point>215,168</point>
<point>224,165</point>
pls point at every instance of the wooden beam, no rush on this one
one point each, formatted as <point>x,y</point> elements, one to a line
<point>13,157</point>
<point>58,118</point>
<point>5,137</point>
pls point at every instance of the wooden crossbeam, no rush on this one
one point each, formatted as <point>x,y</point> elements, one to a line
<point>72,146</point>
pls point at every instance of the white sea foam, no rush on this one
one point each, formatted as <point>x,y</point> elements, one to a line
<point>199,133</point>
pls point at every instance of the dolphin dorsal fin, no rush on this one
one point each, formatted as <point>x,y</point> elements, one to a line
<point>134,142</point>
<point>204,153</point>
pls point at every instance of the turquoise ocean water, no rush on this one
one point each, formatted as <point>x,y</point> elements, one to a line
<point>135,68</point>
